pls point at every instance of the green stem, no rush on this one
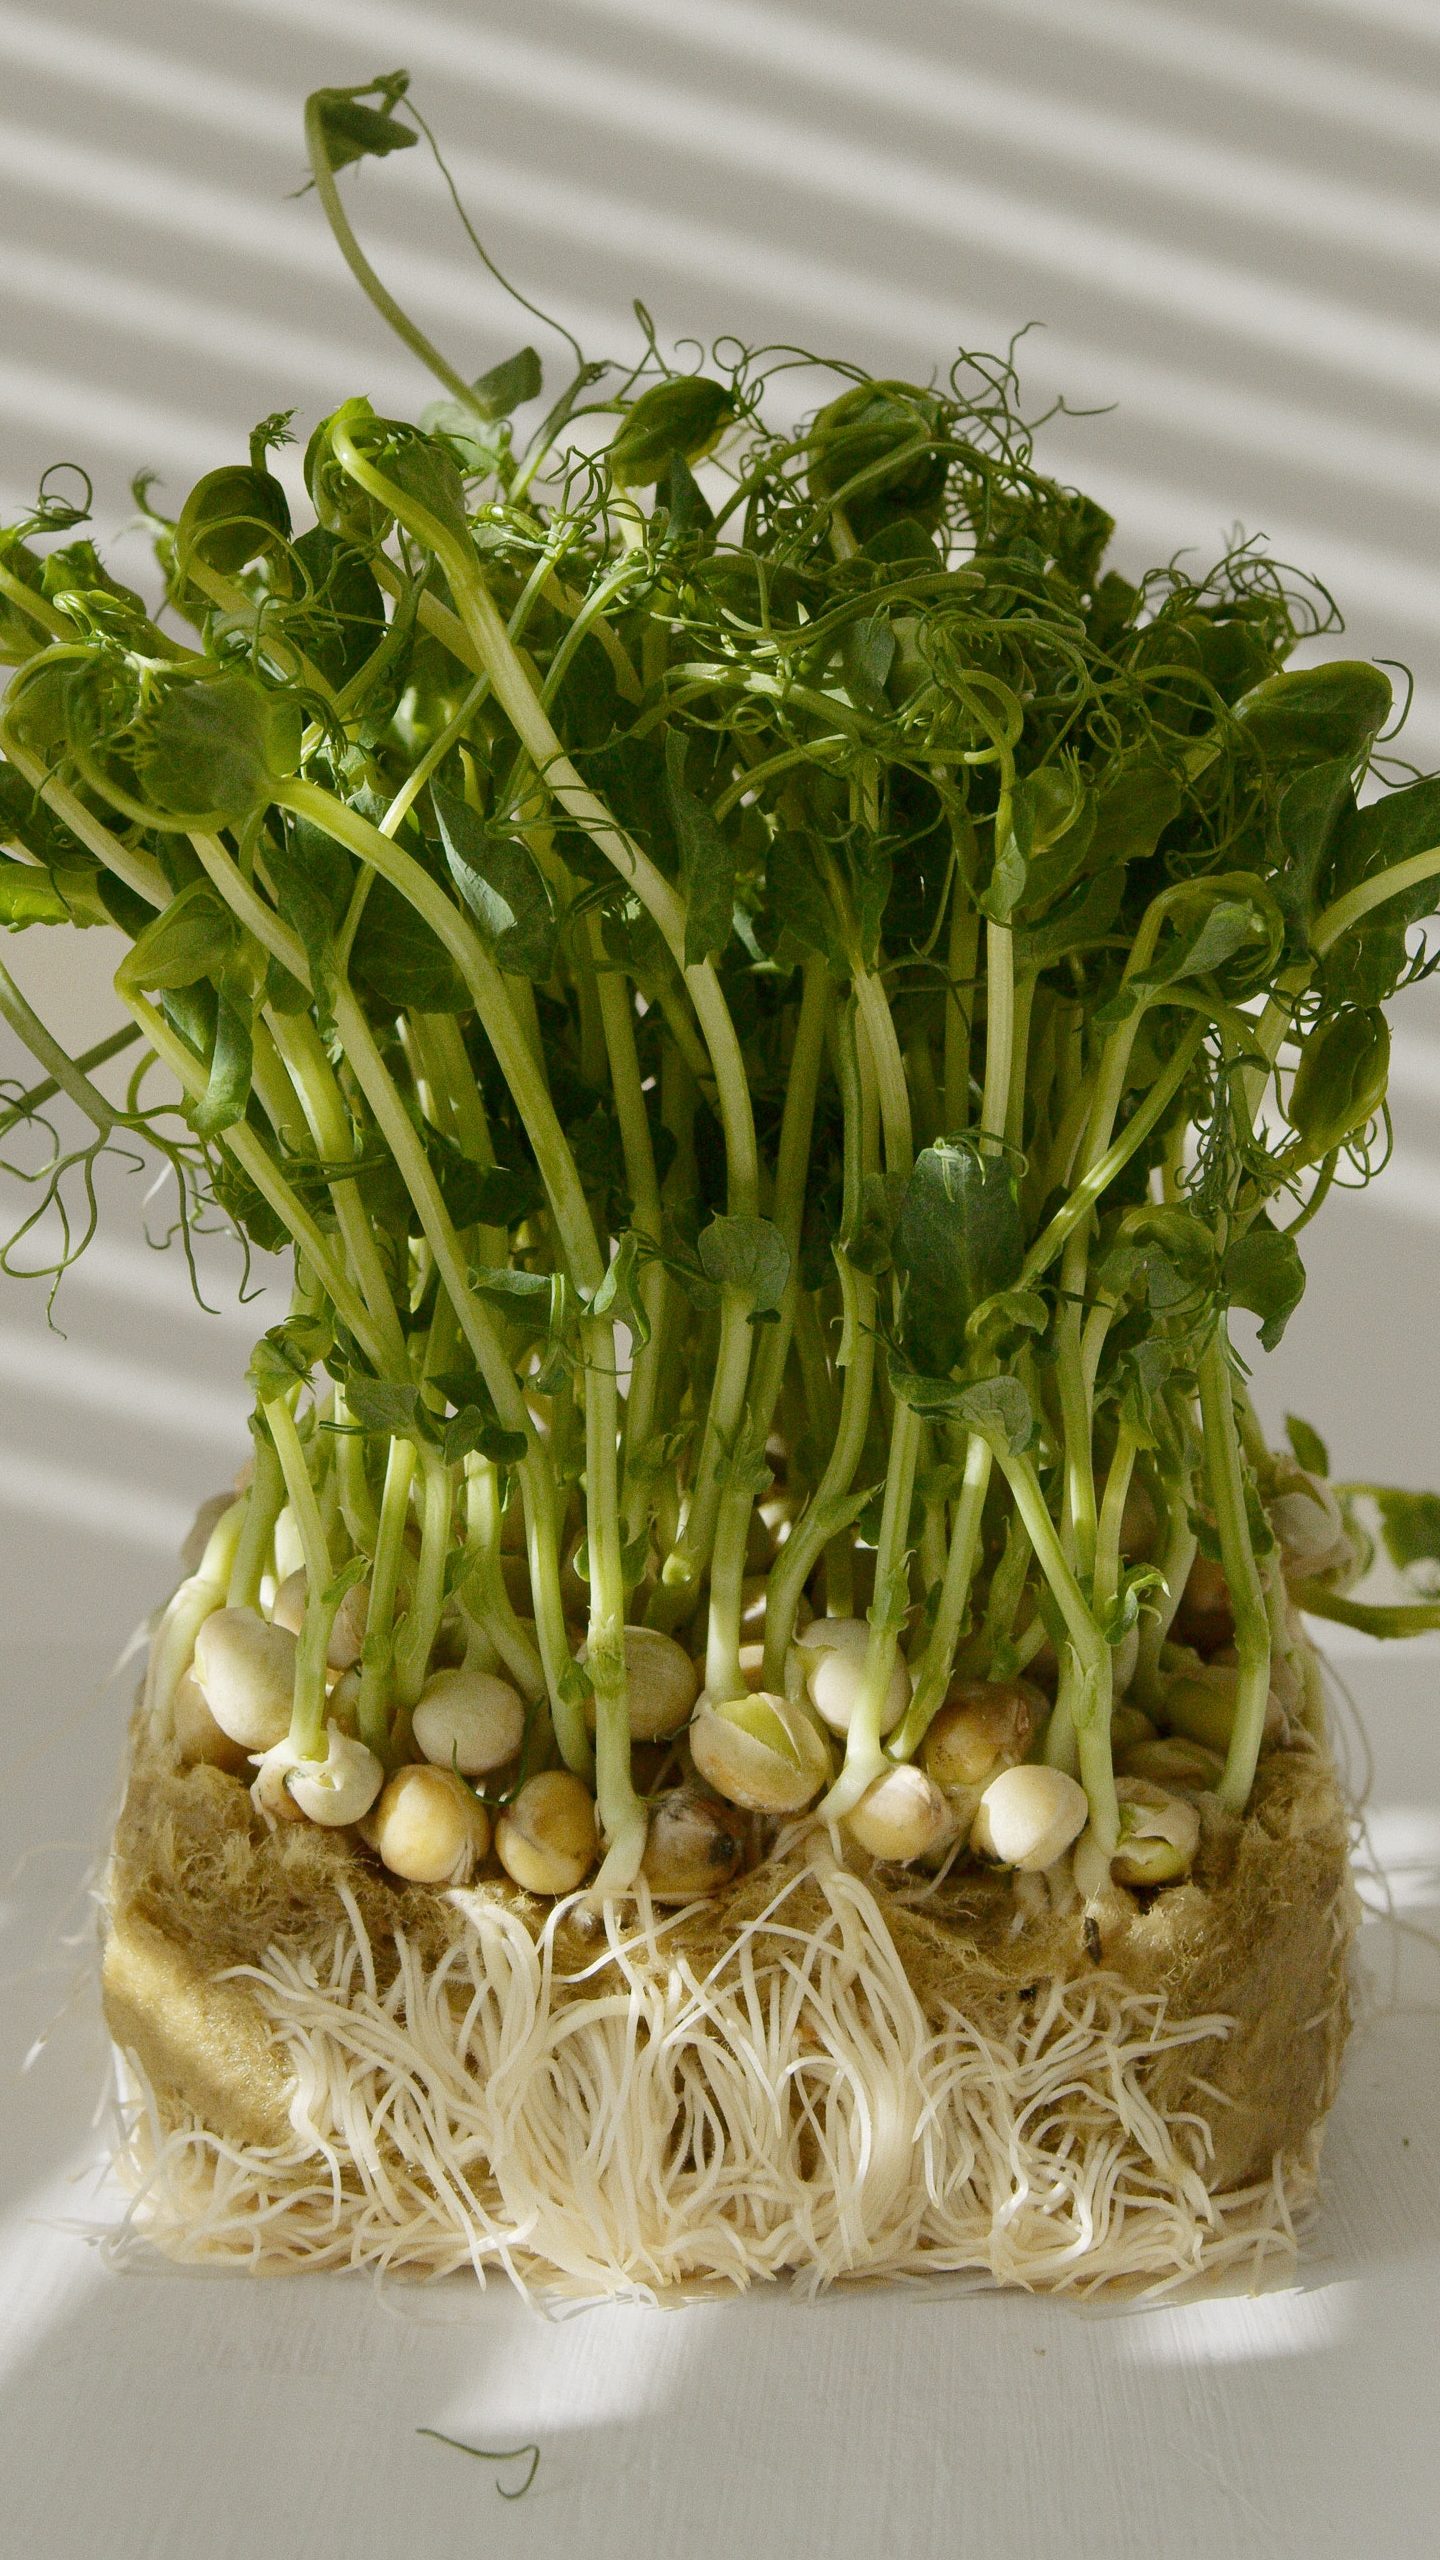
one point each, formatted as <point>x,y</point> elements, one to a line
<point>622,1816</point>
<point>377,1652</point>
<point>359,265</point>
<point>999,1027</point>
<point>831,1507</point>
<point>1103,1169</point>
<point>1247,1595</point>
<point>1088,1703</point>
<point>357,1503</point>
<point>488,1612</point>
<point>300,1494</point>
<point>518,699</point>
<point>865,1758</point>
<point>961,959</point>
<point>242,1143</point>
<point>1373,1618</point>
<point>416,1640</point>
<point>66,1075</point>
<point>1346,911</point>
<point>263,1504</point>
<point>933,1677</point>
<point>37,1095</point>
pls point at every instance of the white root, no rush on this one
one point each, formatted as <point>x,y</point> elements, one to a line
<point>792,2107</point>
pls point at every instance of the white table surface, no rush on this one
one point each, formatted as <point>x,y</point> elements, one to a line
<point>157,2413</point>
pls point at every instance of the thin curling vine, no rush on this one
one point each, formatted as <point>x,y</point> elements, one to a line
<point>780,1007</point>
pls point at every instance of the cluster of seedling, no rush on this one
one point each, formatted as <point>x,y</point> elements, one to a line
<point>779,1005</point>
<point>451,1774</point>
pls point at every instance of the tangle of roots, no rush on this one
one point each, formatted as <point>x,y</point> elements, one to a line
<point>650,2122</point>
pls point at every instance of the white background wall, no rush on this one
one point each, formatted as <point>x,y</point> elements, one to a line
<point>1225,215</point>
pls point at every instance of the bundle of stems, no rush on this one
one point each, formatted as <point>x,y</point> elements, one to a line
<point>779,1005</point>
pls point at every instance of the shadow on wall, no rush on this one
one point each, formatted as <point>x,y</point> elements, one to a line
<point>1228,227</point>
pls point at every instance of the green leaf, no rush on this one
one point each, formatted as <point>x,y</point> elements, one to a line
<point>1132,812</point>
<point>749,1255</point>
<point>877,436</point>
<point>707,873</point>
<point>29,897</point>
<point>1009,1312</point>
<point>869,1244</point>
<point>1263,1272</point>
<point>477,1427</point>
<point>425,469</point>
<point>1312,1454</point>
<point>313,878</point>
<point>285,1355</point>
<point>1086,915</point>
<point>1003,891</point>
<point>1309,714</point>
<point>481,1195</point>
<point>619,1295</point>
<point>958,1240</point>
<point>1227,925</point>
<point>872,876</point>
<point>537,1303</point>
<point>386,1406</point>
<point>231,517</point>
<point>351,131</point>
<point>1123,1611</point>
<point>799,899</point>
<point>218,745</point>
<point>687,508</point>
<point>1409,1526</point>
<point>398,960</point>
<point>1000,1409</point>
<point>1053,821</point>
<point>1374,839</point>
<point>502,885</point>
<point>1313,812</point>
<point>867,654</point>
<point>1341,1080</point>
<point>193,938</point>
<point>509,384</point>
<point>684,416</point>
<point>342,620</point>
<point>232,1060</point>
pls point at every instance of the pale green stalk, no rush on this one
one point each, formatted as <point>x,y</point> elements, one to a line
<point>1252,1620</point>
<point>932,1679</point>
<point>377,1651</point>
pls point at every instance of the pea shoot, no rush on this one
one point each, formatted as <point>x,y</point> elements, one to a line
<point>779,1006</point>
